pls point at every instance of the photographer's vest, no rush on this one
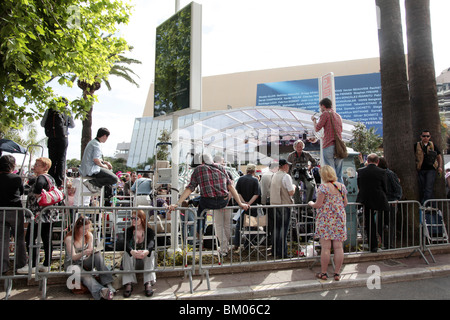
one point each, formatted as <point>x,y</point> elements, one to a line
<point>420,156</point>
<point>278,193</point>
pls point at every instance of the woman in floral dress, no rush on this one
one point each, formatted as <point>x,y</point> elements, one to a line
<point>330,220</point>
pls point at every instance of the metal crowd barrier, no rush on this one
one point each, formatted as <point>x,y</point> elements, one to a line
<point>270,234</point>
<point>434,220</point>
<point>13,228</point>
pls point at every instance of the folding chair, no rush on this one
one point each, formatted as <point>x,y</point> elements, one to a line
<point>254,234</point>
<point>434,226</point>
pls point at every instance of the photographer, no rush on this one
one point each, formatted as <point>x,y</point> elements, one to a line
<point>300,171</point>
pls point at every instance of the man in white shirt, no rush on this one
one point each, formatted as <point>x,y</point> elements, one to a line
<point>281,191</point>
<point>93,165</point>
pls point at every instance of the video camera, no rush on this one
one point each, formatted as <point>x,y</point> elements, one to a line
<point>299,171</point>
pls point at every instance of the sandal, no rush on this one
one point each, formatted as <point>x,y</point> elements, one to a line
<point>107,294</point>
<point>148,289</point>
<point>128,290</point>
<point>337,277</point>
<point>322,276</point>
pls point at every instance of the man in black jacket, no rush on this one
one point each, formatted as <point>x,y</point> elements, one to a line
<point>372,185</point>
<point>56,126</point>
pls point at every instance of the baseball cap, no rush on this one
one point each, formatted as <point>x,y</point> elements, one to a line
<point>282,162</point>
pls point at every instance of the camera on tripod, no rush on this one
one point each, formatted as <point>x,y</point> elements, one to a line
<point>301,171</point>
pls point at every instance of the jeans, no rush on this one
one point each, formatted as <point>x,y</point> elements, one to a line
<point>93,261</point>
<point>186,229</point>
<point>336,164</point>
<point>130,264</point>
<point>426,184</point>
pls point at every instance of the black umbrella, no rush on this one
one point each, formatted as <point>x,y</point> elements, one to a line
<point>11,146</point>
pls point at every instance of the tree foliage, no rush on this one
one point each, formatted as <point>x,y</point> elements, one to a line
<point>43,40</point>
<point>365,140</point>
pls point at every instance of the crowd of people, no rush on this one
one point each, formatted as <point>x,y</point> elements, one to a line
<point>295,179</point>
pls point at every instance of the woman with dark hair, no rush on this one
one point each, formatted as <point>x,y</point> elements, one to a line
<point>139,254</point>
<point>11,221</point>
<point>79,243</point>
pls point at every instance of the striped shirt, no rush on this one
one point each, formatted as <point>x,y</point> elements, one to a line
<point>328,130</point>
<point>212,179</point>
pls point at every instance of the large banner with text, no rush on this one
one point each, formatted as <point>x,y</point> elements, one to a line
<point>358,97</point>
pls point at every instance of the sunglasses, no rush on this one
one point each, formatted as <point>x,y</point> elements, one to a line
<point>424,136</point>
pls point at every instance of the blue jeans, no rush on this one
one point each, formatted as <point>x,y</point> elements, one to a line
<point>336,164</point>
<point>93,261</point>
<point>426,184</point>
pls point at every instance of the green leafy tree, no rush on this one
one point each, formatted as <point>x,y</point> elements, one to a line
<point>41,40</point>
<point>163,151</point>
<point>365,140</point>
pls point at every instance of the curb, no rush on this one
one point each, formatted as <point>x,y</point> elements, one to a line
<point>295,287</point>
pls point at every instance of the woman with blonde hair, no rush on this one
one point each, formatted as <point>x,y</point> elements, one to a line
<point>330,220</point>
<point>79,243</point>
<point>42,180</point>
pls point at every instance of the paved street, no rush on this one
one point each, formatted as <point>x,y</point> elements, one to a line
<point>426,289</point>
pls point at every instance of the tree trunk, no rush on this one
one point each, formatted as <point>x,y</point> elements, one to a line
<point>86,132</point>
<point>397,129</point>
<point>422,78</point>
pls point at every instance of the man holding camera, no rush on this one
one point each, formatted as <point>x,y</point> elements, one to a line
<point>300,171</point>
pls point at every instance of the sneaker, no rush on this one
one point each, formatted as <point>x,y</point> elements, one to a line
<point>91,187</point>
<point>110,287</point>
<point>43,268</point>
<point>25,270</point>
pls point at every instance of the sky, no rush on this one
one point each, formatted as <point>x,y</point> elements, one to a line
<point>246,35</point>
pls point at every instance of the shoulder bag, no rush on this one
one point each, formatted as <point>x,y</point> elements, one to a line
<point>50,197</point>
<point>340,149</point>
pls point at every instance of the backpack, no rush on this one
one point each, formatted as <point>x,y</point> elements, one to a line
<point>55,124</point>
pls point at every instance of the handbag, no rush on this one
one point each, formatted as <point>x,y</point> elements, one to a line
<point>50,197</point>
<point>340,149</point>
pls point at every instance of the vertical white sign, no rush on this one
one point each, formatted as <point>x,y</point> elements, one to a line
<point>326,90</point>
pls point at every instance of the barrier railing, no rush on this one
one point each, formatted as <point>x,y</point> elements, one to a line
<point>13,255</point>
<point>222,238</point>
<point>434,219</point>
<point>287,233</point>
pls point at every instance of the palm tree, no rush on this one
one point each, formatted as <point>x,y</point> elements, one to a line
<point>119,69</point>
<point>26,136</point>
<point>398,138</point>
<point>422,77</point>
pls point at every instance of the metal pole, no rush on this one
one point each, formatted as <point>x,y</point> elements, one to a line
<point>177,6</point>
<point>174,182</point>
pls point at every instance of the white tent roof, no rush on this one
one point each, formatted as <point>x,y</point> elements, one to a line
<point>253,125</point>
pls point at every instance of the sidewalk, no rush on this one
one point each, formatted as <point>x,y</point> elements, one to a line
<point>281,278</point>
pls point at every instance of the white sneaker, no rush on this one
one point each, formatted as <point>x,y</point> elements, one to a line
<point>25,270</point>
<point>43,268</point>
<point>110,287</point>
<point>91,187</point>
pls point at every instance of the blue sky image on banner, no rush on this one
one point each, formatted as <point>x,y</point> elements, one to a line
<point>358,97</point>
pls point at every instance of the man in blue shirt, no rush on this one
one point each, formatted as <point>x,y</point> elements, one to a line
<point>142,188</point>
<point>93,165</point>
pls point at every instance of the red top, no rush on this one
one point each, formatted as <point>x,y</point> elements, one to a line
<point>328,131</point>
